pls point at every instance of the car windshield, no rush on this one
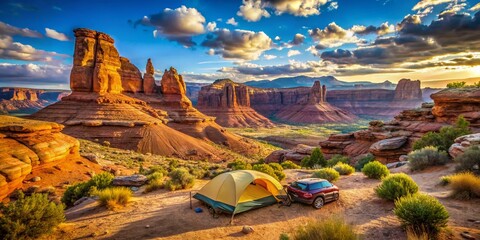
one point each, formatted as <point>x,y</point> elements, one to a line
<point>298,185</point>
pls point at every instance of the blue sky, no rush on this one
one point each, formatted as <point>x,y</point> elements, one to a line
<point>205,45</point>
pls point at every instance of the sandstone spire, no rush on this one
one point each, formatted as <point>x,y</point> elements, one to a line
<point>148,78</point>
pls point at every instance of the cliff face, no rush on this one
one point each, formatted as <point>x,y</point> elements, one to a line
<point>27,144</point>
<point>451,103</point>
<point>26,100</point>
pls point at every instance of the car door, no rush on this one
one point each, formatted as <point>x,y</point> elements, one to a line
<point>327,189</point>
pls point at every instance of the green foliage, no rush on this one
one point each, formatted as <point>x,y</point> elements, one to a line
<point>29,217</point>
<point>456,85</point>
<point>329,174</point>
<point>445,137</point>
<point>114,197</point>
<point>84,189</point>
<point>106,143</point>
<point>315,159</point>
<point>239,165</point>
<point>180,178</point>
<point>329,229</point>
<point>289,165</point>
<point>465,185</point>
<point>469,160</point>
<point>395,186</point>
<point>284,236</point>
<point>155,176</point>
<point>337,159</point>
<point>476,84</point>
<point>276,166</point>
<point>363,161</point>
<point>344,169</point>
<point>375,170</point>
<point>265,168</point>
<point>426,157</point>
<point>421,213</point>
<point>445,180</point>
<point>153,185</point>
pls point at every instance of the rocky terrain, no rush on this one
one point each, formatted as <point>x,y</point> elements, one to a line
<point>112,102</point>
<point>24,100</point>
<point>26,145</point>
<point>388,141</point>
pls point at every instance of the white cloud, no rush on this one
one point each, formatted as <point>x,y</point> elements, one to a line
<point>252,11</point>
<point>476,7</point>
<point>332,6</point>
<point>293,53</point>
<point>232,21</point>
<point>269,57</point>
<point>333,36</point>
<point>51,33</point>
<point>7,29</point>
<point>34,74</point>
<point>427,3</point>
<point>211,26</point>
<point>277,38</point>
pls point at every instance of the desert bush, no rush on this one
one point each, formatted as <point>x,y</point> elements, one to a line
<point>395,186</point>
<point>265,168</point>
<point>155,176</point>
<point>329,174</point>
<point>476,84</point>
<point>280,175</point>
<point>421,213</point>
<point>344,169</point>
<point>315,159</point>
<point>84,189</point>
<point>284,236</point>
<point>465,185</point>
<point>106,143</point>
<point>361,163</point>
<point>445,180</point>
<point>456,84</point>
<point>29,217</point>
<point>180,178</point>
<point>153,185</point>
<point>425,157</point>
<point>289,165</point>
<point>445,137</point>
<point>375,170</point>
<point>337,159</point>
<point>329,229</point>
<point>239,165</point>
<point>469,160</point>
<point>114,198</point>
<point>198,172</point>
<point>376,123</point>
<point>276,166</point>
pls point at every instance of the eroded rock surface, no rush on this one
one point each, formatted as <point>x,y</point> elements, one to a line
<point>462,143</point>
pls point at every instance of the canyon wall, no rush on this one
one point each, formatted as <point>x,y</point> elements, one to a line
<point>20,100</point>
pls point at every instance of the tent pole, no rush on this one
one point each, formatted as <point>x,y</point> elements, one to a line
<point>231,220</point>
<point>191,207</point>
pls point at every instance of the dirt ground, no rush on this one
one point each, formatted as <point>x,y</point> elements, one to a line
<point>167,215</point>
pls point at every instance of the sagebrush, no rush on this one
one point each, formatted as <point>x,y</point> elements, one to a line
<point>395,186</point>
<point>375,170</point>
<point>426,157</point>
<point>329,174</point>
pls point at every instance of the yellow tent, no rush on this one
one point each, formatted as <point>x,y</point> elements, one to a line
<point>240,191</point>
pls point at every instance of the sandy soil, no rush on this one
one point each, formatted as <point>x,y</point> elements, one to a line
<point>167,215</point>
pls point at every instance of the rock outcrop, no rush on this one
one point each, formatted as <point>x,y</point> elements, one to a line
<point>24,100</point>
<point>295,155</point>
<point>229,102</point>
<point>27,144</point>
<point>451,103</point>
<point>462,143</point>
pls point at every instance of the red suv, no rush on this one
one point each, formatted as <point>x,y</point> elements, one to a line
<point>314,191</point>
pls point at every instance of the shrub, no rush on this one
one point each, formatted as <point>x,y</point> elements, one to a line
<point>456,84</point>
<point>361,163</point>
<point>344,169</point>
<point>329,229</point>
<point>445,180</point>
<point>337,159</point>
<point>395,186</point>
<point>265,168</point>
<point>315,159</point>
<point>469,160</point>
<point>465,185</point>
<point>289,165</point>
<point>180,178</point>
<point>29,217</point>
<point>375,170</point>
<point>376,123</point>
<point>445,137</point>
<point>421,213</point>
<point>84,189</point>
<point>153,185</point>
<point>114,198</point>
<point>284,236</point>
<point>425,157</point>
<point>476,84</point>
<point>106,143</point>
<point>239,165</point>
<point>280,175</point>
<point>276,166</point>
<point>198,172</point>
<point>155,176</point>
<point>327,173</point>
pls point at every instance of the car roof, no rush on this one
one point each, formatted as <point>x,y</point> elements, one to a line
<point>311,180</point>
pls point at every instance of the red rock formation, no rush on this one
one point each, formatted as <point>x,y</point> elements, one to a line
<point>132,80</point>
<point>23,100</point>
<point>408,90</point>
<point>27,144</point>
<point>149,86</point>
<point>451,103</point>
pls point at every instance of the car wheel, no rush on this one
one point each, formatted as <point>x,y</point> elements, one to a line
<point>336,196</point>
<point>318,202</point>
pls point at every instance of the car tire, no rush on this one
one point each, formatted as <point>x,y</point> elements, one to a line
<point>318,202</point>
<point>336,196</point>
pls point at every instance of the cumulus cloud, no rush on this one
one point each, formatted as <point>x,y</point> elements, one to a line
<point>269,57</point>
<point>293,67</point>
<point>333,36</point>
<point>383,29</point>
<point>427,3</point>
<point>232,22</point>
<point>252,11</point>
<point>9,30</point>
<point>293,53</point>
<point>476,7</point>
<point>332,6</point>
<point>176,24</point>
<point>34,74</point>
<point>211,26</point>
<point>51,33</point>
<point>277,38</point>
<point>238,44</point>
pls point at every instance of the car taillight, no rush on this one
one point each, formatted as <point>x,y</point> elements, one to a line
<point>307,195</point>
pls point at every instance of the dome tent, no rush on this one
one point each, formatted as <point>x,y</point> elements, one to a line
<point>239,191</point>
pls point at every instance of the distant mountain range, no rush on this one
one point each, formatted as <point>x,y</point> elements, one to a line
<point>329,81</point>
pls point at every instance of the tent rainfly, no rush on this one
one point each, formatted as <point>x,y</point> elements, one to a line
<point>239,191</point>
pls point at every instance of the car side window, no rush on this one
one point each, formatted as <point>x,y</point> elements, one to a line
<point>315,186</point>
<point>326,184</point>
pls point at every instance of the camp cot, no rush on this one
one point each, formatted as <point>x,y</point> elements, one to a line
<point>239,191</point>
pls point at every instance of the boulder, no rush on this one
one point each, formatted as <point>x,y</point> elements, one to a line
<point>388,144</point>
<point>462,143</point>
<point>130,181</point>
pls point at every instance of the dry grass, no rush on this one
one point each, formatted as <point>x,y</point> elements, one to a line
<point>465,185</point>
<point>412,235</point>
<point>329,229</point>
<point>114,198</point>
<point>154,184</point>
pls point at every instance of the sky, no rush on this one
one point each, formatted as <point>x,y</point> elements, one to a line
<point>369,40</point>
